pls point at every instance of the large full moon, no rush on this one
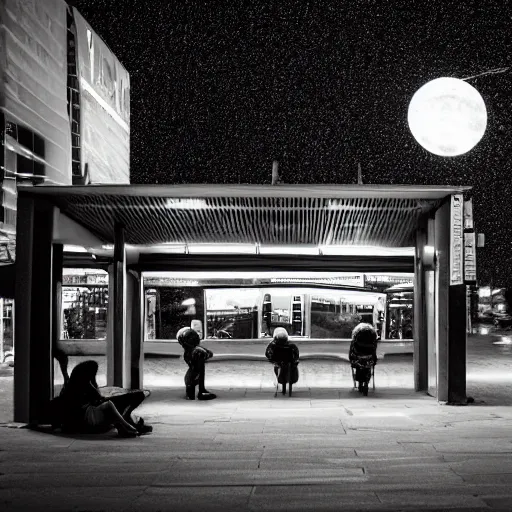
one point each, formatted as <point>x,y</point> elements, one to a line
<point>447,116</point>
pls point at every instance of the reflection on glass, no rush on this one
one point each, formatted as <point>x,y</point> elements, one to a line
<point>283,307</point>
<point>400,317</point>
<point>84,311</point>
<point>168,309</point>
<point>332,316</point>
<point>255,312</point>
<point>232,313</point>
<point>6,331</point>
<point>84,299</point>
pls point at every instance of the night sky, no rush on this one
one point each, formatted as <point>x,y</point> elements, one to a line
<point>221,88</point>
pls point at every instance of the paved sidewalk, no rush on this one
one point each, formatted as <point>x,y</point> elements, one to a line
<point>325,448</point>
<point>322,449</point>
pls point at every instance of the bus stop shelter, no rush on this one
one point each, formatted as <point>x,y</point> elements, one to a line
<point>135,228</point>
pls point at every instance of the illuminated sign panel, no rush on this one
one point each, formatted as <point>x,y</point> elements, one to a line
<point>469,244</point>
<point>456,240</point>
<point>350,280</point>
<point>468,214</point>
<point>388,279</point>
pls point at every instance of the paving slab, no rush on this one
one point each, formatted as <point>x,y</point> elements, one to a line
<point>310,497</point>
<point>220,498</point>
<point>437,498</point>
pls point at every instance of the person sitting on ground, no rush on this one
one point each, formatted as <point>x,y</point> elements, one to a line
<point>281,352</point>
<point>363,353</point>
<point>83,408</point>
<point>195,356</point>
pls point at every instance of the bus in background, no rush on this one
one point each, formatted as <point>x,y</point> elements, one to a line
<point>309,312</point>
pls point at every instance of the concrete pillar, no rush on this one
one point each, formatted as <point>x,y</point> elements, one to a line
<point>431,308</point>
<point>442,287</point>
<point>457,345</point>
<point>451,307</point>
<point>57,261</point>
<point>134,353</point>
<point>420,313</point>
<point>34,318</point>
<point>125,355</point>
<point>110,327</point>
<point>118,308</point>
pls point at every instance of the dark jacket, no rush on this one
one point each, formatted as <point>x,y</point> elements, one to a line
<point>195,356</point>
<point>78,394</point>
<point>285,357</point>
<point>279,353</point>
<point>363,350</point>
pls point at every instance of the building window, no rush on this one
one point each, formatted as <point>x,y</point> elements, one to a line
<point>27,139</point>
<point>23,162</point>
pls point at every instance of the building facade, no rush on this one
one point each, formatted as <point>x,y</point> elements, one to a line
<point>64,112</point>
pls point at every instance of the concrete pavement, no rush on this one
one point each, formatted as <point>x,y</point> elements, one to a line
<point>322,449</point>
<point>325,448</point>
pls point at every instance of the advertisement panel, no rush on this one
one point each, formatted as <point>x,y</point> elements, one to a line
<point>105,109</point>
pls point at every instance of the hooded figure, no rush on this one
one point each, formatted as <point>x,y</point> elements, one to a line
<point>195,356</point>
<point>282,353</point>
<point>363,353</point>
<point>82,408</point>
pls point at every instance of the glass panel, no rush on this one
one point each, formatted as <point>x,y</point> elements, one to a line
<point>283,307</point>
<point>6,330</point>
<point>400,315</point>
<point>232,313</point>
<point>84,304</point>
<point>84,312</point>
<point>333,316</point>
<point>168,309</point>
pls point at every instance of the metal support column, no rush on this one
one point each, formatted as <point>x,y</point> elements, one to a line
<point>457,346</point>
<point>33,386</point>
<point>420,315</point>
<point>119,307</point>
<point>442,288</point>
<point>134,354</point>
<point>57,260</point>
<point>451,307</point>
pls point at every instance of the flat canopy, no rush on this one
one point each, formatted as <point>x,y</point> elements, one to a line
<point>318,215</point>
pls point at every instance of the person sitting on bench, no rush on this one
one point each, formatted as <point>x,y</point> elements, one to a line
<point>363,354</point>
<point>80,407</point>
<point>285,357</point>
<point>195,356</point>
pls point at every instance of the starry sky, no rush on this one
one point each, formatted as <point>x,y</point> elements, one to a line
<point>219,89</point>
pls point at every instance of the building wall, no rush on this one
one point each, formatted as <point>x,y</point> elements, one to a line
<point>105,108</point>
<point>33,98</point>
<point>64,106</point>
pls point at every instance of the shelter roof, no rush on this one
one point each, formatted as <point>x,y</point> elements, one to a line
<point>319,215</point>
